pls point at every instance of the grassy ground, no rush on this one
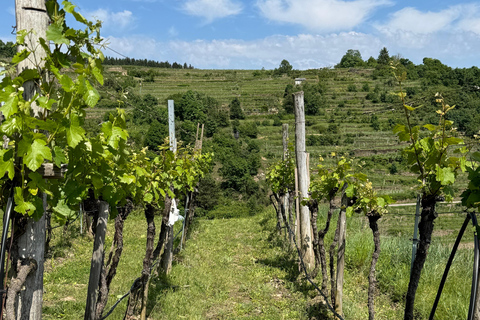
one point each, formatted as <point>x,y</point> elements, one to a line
<point>239,269</point>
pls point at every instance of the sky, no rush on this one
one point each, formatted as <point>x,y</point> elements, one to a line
<point>255,34</point>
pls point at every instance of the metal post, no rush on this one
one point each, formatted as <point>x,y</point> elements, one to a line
<point>171,125</point>
<point>415,232</point>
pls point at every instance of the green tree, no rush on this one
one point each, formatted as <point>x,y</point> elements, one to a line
<point>236,111</point>
<point>285,67</point>
<point>383,57</point>
<point>352,58</point>
<point>156,134</point>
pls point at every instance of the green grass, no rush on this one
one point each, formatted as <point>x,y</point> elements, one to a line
<point>238,268</point>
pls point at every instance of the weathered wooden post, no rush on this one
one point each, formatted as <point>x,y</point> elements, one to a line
<point>32,15</point>
<point>303,183</point>
<point>97,261</point>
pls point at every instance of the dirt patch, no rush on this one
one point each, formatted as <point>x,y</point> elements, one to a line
<point>442,233</point>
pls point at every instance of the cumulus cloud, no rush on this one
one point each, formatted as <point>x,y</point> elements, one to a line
<point>112,20</point>
<point>212,9</point>
<point>457,18</point>
<point>320,15</point>
<point>303,51</point>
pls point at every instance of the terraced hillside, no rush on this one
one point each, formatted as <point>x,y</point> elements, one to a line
<point>356,116</point>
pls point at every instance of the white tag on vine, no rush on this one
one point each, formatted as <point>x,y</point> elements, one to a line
<point>174,214</point>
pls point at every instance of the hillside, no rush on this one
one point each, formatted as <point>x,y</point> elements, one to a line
<point>357,109</point>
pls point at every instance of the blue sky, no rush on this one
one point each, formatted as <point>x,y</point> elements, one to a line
<point>251,34</point>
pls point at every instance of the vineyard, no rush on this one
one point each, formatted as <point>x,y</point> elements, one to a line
<point>247,198</point>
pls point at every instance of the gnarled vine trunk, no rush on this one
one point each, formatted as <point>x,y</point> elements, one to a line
<point>372,281</point>
<point>425,228</point>
<point>140,294</point>
<point>109,270</point>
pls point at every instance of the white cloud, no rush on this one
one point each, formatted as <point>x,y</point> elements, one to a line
<point>303,51</point>
<point>112,20</point>
<point>320,15</point>
<point>412,20</point>
<point>457,18</point>
<point>212,9</point>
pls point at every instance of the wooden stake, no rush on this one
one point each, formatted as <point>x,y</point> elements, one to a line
<point>32,15</point>
<point>300,152</point>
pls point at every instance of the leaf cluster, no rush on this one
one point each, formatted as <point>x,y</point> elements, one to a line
<point>429,152</point>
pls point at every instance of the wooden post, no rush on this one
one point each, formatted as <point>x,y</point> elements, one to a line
<point>97,261</point>
<point>297,210</point>
<point>300,151</point>
<point>32,15</point>
<point>341,255</point>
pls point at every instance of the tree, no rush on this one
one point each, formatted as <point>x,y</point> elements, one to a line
<point>236,111</point>
<point>285,67</point>
<point>383,57</point>
<point>351,59</point>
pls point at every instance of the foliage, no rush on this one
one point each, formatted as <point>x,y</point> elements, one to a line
<point>281,174</point>
<point>62,102</point>
<point>368,202</point>
<point>236,111</point>
<point>7,50</point>
<point>428,156</point>
<point>383,57</point>
<point>351,59</point>
<point>471,196</point>
<point>314,98</point>
<point>284,68</point>
<point>145,63</point>
<point>200,108</point>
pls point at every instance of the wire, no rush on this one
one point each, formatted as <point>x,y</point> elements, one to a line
<point>116,52</point>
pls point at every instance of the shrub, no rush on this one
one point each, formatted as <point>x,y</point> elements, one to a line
<point>352,88</point>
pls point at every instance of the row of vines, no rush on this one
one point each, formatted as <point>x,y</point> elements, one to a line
<point>44,110</point>
<point>435,153</point>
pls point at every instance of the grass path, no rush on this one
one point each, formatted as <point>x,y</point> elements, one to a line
<point>229,270</point>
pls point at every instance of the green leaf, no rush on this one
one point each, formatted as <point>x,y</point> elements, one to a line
<point>476,156</point>
<point>349,212</point>
<point>75,133</point>
<point>44,103</point>
<point>127,179</point>
<point>91,97</point>
<point>55,34</point>
<point>20,56</point>
<point>430,127</point>
<point>350,191</point>
<point>29,74</point>
<point>67,83</point>
<point>63,212</point>
<point>445,176</point>
<point>7,163</point>
<point>36,154</point>
<point>22,206</point>
<point>453,140</point>
<point>148,197</point>
<point>59,156</point>
<point>10,107</point>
